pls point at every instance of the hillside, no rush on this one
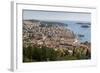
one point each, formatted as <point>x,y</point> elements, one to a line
<point>51,34</point>
<point>51,41</point>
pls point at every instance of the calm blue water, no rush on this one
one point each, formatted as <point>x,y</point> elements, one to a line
<point>78,29</point>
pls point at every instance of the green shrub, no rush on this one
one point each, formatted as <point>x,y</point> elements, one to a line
<point>37,53</point>
<point>27,54</point>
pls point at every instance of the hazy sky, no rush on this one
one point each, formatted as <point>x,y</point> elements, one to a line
<point>45,15</point>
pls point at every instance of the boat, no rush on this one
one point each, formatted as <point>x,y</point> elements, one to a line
<point>85,26</point>
<point>80,35</point>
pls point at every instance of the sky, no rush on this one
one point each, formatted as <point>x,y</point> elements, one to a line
<point>56,16</point>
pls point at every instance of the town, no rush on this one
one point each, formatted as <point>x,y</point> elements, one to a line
<point>56,36</point>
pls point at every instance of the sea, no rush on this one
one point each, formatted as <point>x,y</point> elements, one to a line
<point>82,30</point>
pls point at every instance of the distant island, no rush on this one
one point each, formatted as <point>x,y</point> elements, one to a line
<point>84,23</point>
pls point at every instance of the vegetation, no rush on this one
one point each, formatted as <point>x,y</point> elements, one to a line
<point>42,53</point>
<point>38,53</point>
